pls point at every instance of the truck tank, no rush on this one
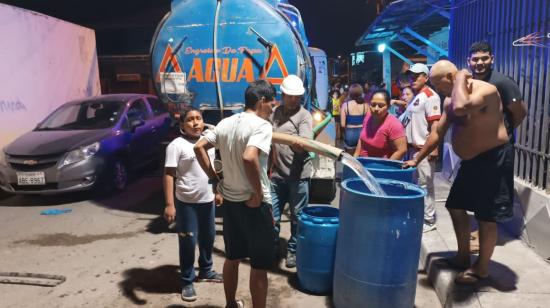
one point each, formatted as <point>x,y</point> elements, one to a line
<point>205,52</point>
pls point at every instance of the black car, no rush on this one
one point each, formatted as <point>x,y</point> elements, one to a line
<point>84,144</point>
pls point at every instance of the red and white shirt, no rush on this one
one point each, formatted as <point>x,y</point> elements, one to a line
<point>423,109</point>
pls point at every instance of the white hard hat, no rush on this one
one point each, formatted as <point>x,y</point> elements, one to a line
<point>418,68</point>
<point>293,85</point>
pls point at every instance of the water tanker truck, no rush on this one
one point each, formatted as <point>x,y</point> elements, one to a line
<point>205,52</point>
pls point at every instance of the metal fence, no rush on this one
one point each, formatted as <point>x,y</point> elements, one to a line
<point>519,31</point>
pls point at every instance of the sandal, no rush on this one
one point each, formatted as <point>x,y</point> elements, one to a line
<point>469,278</point>
<point>240,303</point>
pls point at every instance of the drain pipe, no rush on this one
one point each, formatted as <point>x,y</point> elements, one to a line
<point>217,73</point>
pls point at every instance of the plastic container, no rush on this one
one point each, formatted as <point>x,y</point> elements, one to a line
<point>382,168</point>
<point>378,245</point>
<point>315,250</point>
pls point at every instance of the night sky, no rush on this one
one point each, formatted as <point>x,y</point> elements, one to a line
<point>126,26</point>
<point>334,26</point>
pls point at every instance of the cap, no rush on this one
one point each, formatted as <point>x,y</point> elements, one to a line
<point>418,68</point>
<point>292,85</point>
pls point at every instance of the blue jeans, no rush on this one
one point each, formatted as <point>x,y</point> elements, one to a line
<point>296,193</point>
<point>351,136</point>
<point>195,221</point>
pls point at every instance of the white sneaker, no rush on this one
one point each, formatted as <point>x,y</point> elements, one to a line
<point>428,227</point>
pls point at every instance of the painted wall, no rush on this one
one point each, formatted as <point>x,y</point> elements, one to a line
<point>44,62</point>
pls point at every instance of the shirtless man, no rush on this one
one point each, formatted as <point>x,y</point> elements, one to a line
<point>484,183</point>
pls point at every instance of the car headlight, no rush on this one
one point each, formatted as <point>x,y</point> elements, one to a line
<point>80,154</point>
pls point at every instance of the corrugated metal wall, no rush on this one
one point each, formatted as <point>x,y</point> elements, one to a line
<point>501,22</point>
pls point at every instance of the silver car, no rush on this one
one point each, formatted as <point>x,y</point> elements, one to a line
<point>84,144</point>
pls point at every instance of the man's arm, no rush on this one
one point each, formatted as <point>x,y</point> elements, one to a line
<point>305,130</point>
<point>251,164</point>
<point>306,127</point>
<point>512,101</point>
<point>433,128</point>
<point>201,152</point>
<point>464,100</point>
<point>518,110</point>
<point>433,141</point>
<point>168,181</point>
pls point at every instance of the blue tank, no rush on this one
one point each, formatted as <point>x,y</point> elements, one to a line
<point>378,245</point>
<point>317,229</point>
<point>384,169</point>
<point>241,40</point>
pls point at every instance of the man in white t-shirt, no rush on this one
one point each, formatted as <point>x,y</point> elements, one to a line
<point>244,142</point>
<point>420,118</point>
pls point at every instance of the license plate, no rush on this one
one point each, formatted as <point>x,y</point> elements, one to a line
<point>31,178</point>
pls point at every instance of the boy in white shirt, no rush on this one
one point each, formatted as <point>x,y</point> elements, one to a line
<point>193,207</point>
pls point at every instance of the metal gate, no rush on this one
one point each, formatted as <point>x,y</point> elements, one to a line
<point>519,32</point>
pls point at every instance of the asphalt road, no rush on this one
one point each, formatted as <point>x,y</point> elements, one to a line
<point>119,252</point>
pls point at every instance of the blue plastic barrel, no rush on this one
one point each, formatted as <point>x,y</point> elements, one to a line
<point>317,229</point>
<point>378,245</point>
<point>383,169</point>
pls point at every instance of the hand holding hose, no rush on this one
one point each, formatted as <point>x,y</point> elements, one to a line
<point>409,164</point>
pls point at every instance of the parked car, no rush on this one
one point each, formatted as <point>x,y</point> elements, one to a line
<point>85,144</point>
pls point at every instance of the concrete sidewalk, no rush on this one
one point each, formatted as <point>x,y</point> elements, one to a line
<point>518,276</point>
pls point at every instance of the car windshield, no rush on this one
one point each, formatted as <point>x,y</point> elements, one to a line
<point>84,116</point>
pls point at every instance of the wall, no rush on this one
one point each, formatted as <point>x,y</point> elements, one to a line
<point>45,62</point>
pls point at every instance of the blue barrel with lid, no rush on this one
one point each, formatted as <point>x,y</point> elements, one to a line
<point>378,245</point>
<point>317,230</point>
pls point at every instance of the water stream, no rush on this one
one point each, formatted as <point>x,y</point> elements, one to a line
<point>363,174</point>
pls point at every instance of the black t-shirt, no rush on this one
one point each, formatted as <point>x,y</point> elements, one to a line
<point>509,93</point>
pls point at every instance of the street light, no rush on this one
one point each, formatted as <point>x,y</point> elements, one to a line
<point>381,47</point>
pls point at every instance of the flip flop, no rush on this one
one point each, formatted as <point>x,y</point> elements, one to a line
<point>469,278</point>
<point>452,263</point>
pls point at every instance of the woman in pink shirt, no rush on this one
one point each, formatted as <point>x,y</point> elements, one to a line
<point>383,134</point>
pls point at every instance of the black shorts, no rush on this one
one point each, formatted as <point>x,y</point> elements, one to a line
<point>485,185</point>
<point>248,233</point>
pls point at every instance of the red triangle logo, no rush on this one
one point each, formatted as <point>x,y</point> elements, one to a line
<point>275,56</point>
<point>168,56</point>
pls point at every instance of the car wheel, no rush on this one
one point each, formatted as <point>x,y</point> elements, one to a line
<point>119,175</point>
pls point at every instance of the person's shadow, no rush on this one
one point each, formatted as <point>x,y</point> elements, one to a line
<point>163,279</point>
<point>501,277</point>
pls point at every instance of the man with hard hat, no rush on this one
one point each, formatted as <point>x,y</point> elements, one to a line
<point>421,118</point>
<point>292,166</point>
